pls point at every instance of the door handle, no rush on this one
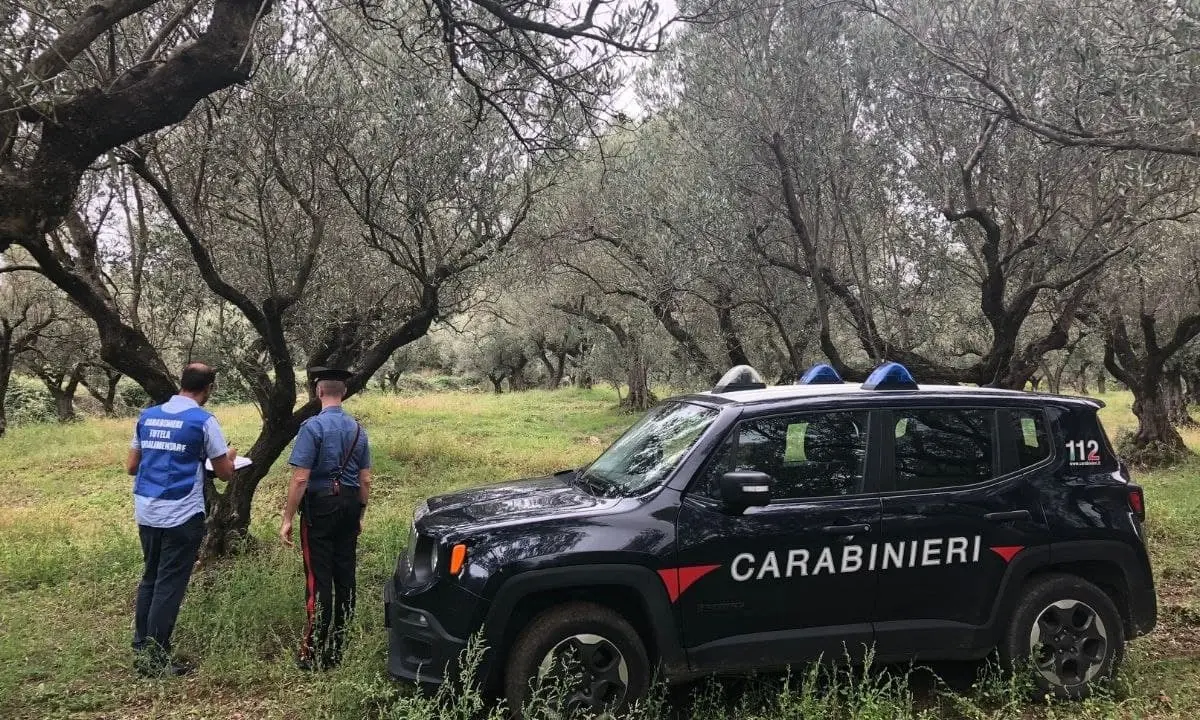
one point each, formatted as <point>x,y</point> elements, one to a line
<point>846,529</point>
<point>1009,515</point>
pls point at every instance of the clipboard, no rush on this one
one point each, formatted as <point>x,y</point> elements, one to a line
<point>239,462</point>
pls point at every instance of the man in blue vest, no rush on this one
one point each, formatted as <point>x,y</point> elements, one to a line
<point>170,444</point>
<point>331,479</point>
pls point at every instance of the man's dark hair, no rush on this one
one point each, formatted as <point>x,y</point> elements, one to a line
<point>197,377</point>
<point>332,388</point>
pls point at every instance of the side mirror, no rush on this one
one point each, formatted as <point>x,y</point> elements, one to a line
<point>746,488</point>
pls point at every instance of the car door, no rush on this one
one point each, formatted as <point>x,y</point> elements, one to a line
<point>958,505</point>
<point>788,582</point>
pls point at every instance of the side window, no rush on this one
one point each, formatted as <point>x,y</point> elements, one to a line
<point>1082,440</point>
<point>939,448</point>
<point>1031,435</point>
<point>809,455</point>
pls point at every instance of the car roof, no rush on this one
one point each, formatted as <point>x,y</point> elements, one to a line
<point>816,393</point>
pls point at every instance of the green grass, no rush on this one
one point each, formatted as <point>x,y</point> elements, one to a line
<point>69,562</point>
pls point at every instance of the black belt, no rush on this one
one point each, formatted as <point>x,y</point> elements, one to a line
<point>328,492</point>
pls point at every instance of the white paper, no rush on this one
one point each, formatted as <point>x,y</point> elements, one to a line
<point>238,463</point>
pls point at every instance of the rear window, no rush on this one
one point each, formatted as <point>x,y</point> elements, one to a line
<point>1083,441</point>
<point>1030,435</point>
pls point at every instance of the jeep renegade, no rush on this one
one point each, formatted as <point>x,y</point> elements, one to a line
<point>752,528</point>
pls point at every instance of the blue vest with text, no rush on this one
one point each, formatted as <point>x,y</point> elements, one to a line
<point>172,446</point>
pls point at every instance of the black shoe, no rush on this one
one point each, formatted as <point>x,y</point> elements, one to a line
<point>172,668</point>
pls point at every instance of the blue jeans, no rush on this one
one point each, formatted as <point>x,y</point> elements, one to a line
<point>169,554</point>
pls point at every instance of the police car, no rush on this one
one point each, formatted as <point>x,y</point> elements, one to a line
<point>751,528</point>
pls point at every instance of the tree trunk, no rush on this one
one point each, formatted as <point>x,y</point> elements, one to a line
<point>64,395</point>
<point>735,352</point>
<point>1101,382</point>
<point>228,518</point>
<point>1191,378</point>
<point>517,382</point>
<point>639,386</point>
<point>108,398</point>
<point>64,405</point>
<point>1176,399</point>
<point>1154,420</point>
<point>559,370</point>
<point>5,374</point>
<point>1081,379</point>
<point>637,376</point>
<point>497,383</point>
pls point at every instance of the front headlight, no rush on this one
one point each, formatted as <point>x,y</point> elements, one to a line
<point>433,556</point>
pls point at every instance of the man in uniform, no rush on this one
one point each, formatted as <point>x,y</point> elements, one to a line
<point>331,480</point>
<point>170,444</point>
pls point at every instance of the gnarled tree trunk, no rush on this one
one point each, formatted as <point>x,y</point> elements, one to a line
<point>638,378</point>
<point>1176,400</point>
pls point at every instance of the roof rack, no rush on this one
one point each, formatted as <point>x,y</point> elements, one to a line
<point>890,376</point>
<point>820,374</point>
<point>741,377</point>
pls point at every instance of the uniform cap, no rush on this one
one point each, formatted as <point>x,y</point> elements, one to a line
<point>318,373</point>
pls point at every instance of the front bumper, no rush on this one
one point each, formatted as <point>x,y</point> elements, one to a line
<point>419,648</point>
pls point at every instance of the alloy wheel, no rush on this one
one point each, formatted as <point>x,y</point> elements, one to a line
<point>599,669</point>
<point>1068,642</point>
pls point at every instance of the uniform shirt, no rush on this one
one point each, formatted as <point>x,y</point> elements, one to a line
<point>174,439</point>
<point>322,443</point>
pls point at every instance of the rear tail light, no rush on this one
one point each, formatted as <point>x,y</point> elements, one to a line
<point>1137,502</point>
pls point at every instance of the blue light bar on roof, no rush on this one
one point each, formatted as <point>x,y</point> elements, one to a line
<point>821,374</point>
<point>890,376</point>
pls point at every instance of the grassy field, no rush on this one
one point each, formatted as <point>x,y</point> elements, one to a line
<point>69,562</point>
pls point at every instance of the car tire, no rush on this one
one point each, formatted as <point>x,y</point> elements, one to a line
<point>612,657</point>
<point>1066,633</point>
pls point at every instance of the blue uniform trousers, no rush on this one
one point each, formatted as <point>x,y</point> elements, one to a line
<point>169,555</point>
<point>329,541</point>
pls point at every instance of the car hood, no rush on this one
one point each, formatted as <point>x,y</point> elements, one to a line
<point>531,499</point>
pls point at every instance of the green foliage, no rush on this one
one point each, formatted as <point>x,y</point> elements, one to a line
<point>231,391</point>
<point>133,398</point>
<point>415,384</point>
<point>28,402</point>
<point>1152,455</point>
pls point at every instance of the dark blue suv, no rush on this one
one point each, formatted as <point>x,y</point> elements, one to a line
<point>751,528</point>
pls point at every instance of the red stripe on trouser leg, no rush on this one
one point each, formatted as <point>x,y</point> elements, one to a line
<point>310,603</point>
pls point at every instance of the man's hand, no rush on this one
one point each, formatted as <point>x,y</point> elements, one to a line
<point>285,533</point>
<point>232,454</point>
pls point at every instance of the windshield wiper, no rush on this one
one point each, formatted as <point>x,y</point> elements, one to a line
<point>594,484</point>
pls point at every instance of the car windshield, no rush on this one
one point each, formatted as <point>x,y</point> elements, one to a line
<point>648,451</point>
